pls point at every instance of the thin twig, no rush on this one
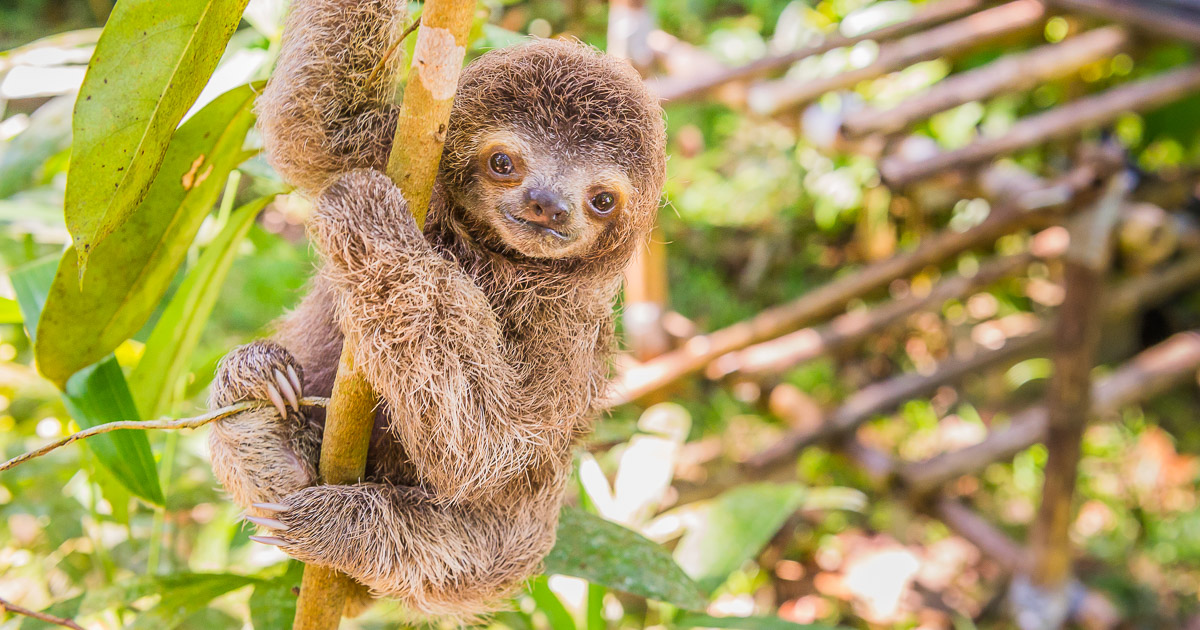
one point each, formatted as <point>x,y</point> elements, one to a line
<point>162,423</point>
<point>392,50</point>
<point>40,616</point>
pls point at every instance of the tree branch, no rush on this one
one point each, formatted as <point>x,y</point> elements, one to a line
<point>416,151</point>
<point>25,612</point>
<point>161,423</point>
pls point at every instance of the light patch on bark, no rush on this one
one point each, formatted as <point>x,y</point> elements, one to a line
<point>438,60</point>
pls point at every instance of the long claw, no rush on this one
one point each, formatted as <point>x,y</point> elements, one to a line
<point>269,523</point>
<point>276,400</point>
<point>291,372</point>
<point>286,388</point>
<point>272,507</point>
<point>269,540</point>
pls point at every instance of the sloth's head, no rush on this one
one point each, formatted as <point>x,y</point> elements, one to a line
<point>554,151</point>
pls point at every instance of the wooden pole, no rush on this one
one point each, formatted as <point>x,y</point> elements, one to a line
<point>441,46</point>
<point>1059,122</point>
<point>1069,401</point>
<point>1013,73</point>
<point>773,97</point>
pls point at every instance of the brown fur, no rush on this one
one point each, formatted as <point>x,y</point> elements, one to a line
<point>487,340</point>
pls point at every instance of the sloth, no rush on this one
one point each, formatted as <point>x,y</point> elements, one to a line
<point>487,334</point>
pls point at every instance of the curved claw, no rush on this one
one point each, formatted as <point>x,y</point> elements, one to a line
<point>269,540</point>
<point>269,523</point>
<point>276,400</point>
<point>272,507</point>
<point>291,373</point>
<point>286,388</point>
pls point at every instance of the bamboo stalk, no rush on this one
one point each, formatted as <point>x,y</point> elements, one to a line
<point>441,46</point>
<point>1059,122</point>
<point>1030,209</point>
<point>773,97</point>
<point>1012,73</point>
<point>679,88</point>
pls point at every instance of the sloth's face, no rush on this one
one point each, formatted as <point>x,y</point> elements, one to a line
<point>542,203</point>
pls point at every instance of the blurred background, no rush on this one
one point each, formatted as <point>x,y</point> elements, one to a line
<point>781,463</point>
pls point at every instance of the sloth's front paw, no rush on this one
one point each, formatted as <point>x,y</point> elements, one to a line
<point>262,370</point>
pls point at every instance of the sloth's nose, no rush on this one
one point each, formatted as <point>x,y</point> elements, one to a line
<point>545,207</point>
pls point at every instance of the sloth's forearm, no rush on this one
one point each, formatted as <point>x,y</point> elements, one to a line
<point>327,108</point>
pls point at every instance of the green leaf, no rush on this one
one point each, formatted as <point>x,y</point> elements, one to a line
<point>10,313</point>
<point>96,395</point>
<point>733,528</point>
<point>181,595</point>
<point>49,133</point>
<point>150,64</point>
<point>550,605</point>
<point>129,272</point>
<point>605,553</point>
<point>696,620</point>
<point>273,603</point>
<point>169,348</point>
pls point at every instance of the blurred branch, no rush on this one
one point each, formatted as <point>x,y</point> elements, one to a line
<point>25,612</point>
<point>1030,209</point>
<point>677,88</point>
<point>1146,94</point>
<point>162,423</point>
<point>780,95</point>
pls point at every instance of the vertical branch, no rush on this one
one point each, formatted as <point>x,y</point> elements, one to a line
<point>1068,408</point>
<point>416,151</point>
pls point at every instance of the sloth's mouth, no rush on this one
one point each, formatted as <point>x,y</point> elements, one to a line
<point>540,229</point>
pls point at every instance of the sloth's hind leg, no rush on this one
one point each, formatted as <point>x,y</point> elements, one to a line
<point>264,454</point>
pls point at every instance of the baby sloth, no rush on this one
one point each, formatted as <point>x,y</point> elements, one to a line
<point>487,336</point>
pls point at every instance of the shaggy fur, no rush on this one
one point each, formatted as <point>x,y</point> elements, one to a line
<point>488,346</point>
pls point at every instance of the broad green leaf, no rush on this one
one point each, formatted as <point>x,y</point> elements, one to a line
<point>10,313</point>
<point>550,605</point>
<point>605,553</point>
<point>130,271</point>
<point>96,395</point>
<point>273,603</point>
<point>151,62</point>
<point>733,528</point>
<point>181,595</point>
<point>696,620</point>
<point>169,348</point>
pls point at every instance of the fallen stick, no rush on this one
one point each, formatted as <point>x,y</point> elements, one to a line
<point>40,616</point>
<point>162,423</point>
<point>772,97</point>
<point>674,89</point>
<point>1059,122</point>
<point>1013,73</point>
<point>1036,207</point>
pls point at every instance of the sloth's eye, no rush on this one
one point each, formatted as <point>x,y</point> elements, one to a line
<point>501,164</point>
<point>604,202</point>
